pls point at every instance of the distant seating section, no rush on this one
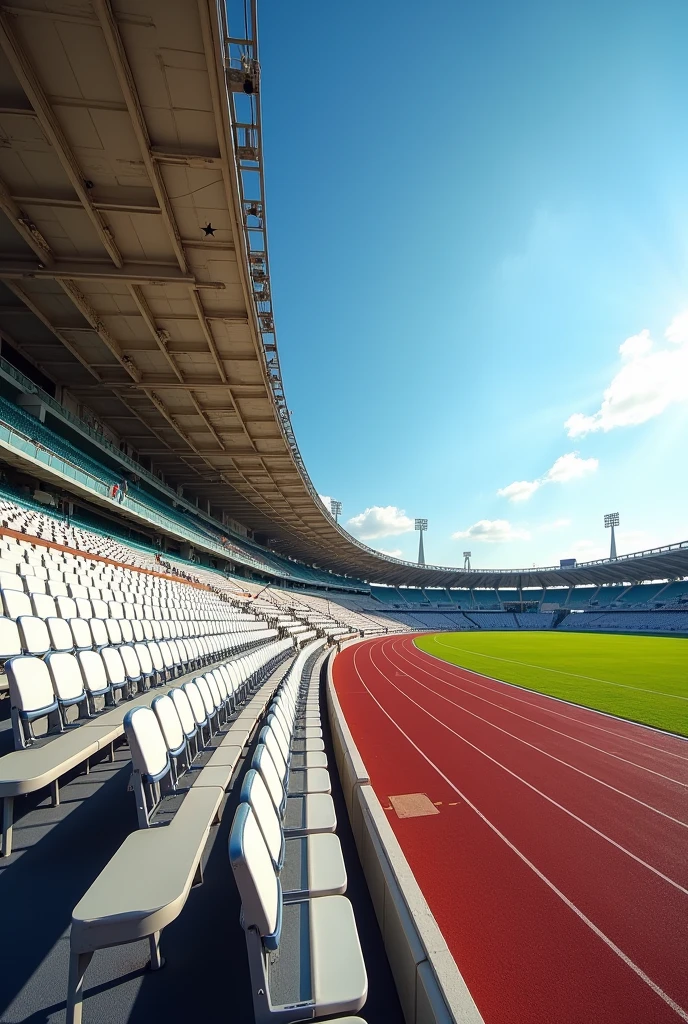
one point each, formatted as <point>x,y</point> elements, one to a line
<point>662,621</point>
<point>82,640</point>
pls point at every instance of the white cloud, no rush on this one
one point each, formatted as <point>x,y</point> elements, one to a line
<point>397,553</point>
<point>567,467</point>
<point>649,381</point>
<point>519,490</point>
<point>326,502</point>
<point>380,521</point>
<point>492,531</point>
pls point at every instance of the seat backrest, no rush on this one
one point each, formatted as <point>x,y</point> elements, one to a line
<point>254,791</point>
<point>61,638</point>
<point>99,632</point>
<point>10,644</point>
<point>184,710</point>
<point>93,671</point>
<point>31,688</point>
<point>34,634</point>
<point>81,633</point>
<point>131,662</point>
<point>156,656</point>
<point>114,666</point>
<point>66,675</point>
<point>264,764</point>
<point>127,631</point>
<point>207,696</point>
<point>145,660</point>
<point>268,737</point>
<point>280,734</point>
<point>146,742</point>
<point>16,603</point>
<point>255,876</point>
<point>43,605</point>
<point>66,607</point>
<point>114,631</point>
<point>35,585</point>
<point>11,581</point>
<point>214,690</point>
<point>196,701</point>
<point>171,726</point>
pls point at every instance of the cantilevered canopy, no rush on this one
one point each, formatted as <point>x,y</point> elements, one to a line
<point>134,268</point>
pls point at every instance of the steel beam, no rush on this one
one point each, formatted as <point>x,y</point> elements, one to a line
<point>21,65</point>
<point>89,270</point>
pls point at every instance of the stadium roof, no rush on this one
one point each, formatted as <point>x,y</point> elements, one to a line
<point>134,268</point>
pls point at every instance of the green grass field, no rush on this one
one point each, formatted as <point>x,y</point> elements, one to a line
<point>644,678</point>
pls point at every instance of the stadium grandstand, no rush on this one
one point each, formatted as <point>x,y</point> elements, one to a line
<point>178,776</point>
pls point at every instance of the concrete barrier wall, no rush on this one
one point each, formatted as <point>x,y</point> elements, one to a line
<point>430,986</point>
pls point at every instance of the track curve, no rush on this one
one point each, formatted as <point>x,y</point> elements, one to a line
<point>557,866</point>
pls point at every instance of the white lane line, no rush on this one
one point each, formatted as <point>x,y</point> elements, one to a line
<point>529,785</point>
<point>561,672</point>
<point>540,725</point>
<point>533,746</point>
<point>547,698</point>
<point>543,878</point>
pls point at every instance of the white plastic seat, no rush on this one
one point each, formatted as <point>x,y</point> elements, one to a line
<point>126,631</point>
<point>113,630</point>
<point>61,638</point>
<point>68,682</point>
<point>151,775</point>
<point>34,635</point>
<point>34,585</point>
<point>81,634</point>
<point>131,663</point>
<point>66,607</point>
<point>57,587</point>
<point>16,603</point>
<point>186,717</point>
<point>197,706</point>
<point>314,859</point>
<point>115,670</point>
<point>95,677</point>
<point>145,661</point>
<point>43,605</point>
<point>327,972</point>
<point>11,581</point>
<point>171,726</point>
<point>98,632</point>
<point>31,698</point>
<point>10,644</point>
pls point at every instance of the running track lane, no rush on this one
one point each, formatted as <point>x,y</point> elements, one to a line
<point>557,866</point>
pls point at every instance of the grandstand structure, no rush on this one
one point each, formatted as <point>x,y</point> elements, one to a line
<point>173,590</point>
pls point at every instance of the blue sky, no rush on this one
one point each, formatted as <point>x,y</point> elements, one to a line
<point>471,209</point>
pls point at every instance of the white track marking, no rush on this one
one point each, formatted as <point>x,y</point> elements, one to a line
<point>553,757</point>
<point>529,785</point>
<point>547,697</point>
<point>543,878</point>
<point>561,672</point>
<point>540,725</point>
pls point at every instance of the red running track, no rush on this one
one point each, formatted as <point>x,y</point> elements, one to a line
<point>557,866</point>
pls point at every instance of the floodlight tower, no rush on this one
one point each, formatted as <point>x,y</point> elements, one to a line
<point>421,526</point>
<point>335,509</point>
<point>466,559</point>
<point>610,521</point>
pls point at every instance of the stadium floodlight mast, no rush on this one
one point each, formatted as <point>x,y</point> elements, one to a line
<point>467,559</point>
<point>335,509</point>
<point>610,521</point>
<point>421,526</point>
